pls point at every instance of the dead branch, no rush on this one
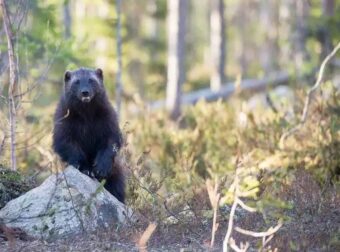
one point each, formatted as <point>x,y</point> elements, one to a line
<point>2,144</point>
<point>309,97</point>
<point>231,216</point>
<point>230,227</point>
<point>228,240</point>
<point>73,204</point>
<point>214,198</point>
<point>245,207</point>
<point>142,243</point>
<point>269,232</point>
<point>242,248</point>
<point>38,82</point>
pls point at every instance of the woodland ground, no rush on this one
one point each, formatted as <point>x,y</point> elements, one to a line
<point>312,225</point>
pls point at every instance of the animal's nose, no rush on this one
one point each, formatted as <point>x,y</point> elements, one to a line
<point>85,93</point>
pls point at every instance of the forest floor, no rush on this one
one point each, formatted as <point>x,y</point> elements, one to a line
<point>312,225</point>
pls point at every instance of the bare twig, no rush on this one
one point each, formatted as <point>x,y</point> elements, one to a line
<point>231,215</point>
<point>39,80</point>
<point>214,198</point>
<point>230,227</point>
<point>73,204</point>
<point>242,248</point>
<point>265,241</point>
<point>142,243</point>
<point>245,207</point>
<point>309,97</point>
<point>20,14</point>
<point>269,232</point>
<point>2,144</point>
<point>13,73</point>
<point>59,120</point>
<point>228,240</point>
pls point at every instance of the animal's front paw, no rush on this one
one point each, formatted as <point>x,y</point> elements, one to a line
<point>103,168</point>
<point>87,170</point>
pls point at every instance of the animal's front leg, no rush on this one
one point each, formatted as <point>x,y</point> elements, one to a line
<point>72,154</point>
<point>104,161</point>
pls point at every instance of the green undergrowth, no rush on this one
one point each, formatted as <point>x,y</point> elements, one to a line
<point>169,162</point>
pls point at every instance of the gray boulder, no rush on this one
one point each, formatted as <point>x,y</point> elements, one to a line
<point>64,204</point>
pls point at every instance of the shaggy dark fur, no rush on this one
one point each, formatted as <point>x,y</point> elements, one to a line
<point>86,131</point>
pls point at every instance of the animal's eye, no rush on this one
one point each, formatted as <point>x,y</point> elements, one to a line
<point>76,82</point>
<point>92,81</point>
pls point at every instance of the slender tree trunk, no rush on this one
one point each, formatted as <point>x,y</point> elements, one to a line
<point>269,14</point>
<point>300,53</point>
<point>328,7</point>
<point>67,19</point>
<point>241,22</point>
<point>177,10</point>
<point>217,44</point>
<point>119,85</point>
<point>13,76</point>
<point>153,26</point>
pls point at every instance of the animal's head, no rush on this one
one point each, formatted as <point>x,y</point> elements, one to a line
<point>84,84</point>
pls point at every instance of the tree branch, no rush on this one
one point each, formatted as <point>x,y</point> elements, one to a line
<point>269,232</point>
<point>309,97</point>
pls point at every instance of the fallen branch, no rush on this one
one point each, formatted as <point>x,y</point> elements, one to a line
<point>309,97</point>
<point>228,89</point>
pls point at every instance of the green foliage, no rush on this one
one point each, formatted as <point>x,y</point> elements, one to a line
<point>208,139</point>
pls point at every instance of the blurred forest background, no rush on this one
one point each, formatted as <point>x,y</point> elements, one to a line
<point>207,86</point>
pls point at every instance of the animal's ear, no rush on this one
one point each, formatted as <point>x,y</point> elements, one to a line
<point>99,74</point>
<point>67,76</point>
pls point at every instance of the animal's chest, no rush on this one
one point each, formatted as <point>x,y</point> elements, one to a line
<point>90,135</point>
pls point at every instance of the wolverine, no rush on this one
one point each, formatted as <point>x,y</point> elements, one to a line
<point>86,131</point>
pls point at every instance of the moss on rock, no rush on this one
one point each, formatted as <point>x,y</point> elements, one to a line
<point>12,185</point>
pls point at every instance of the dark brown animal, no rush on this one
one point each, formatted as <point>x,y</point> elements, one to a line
<point>86,131</point>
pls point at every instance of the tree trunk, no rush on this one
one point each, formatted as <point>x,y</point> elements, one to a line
<point>119,85</point>
<point>13,76</point>
<point>328,7</point>
<point>177,10</point>
<point>269,13</point>
<point>67,19</point>
<point>300,53</point>
<point>241,23</point>
<point>217,44</point>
